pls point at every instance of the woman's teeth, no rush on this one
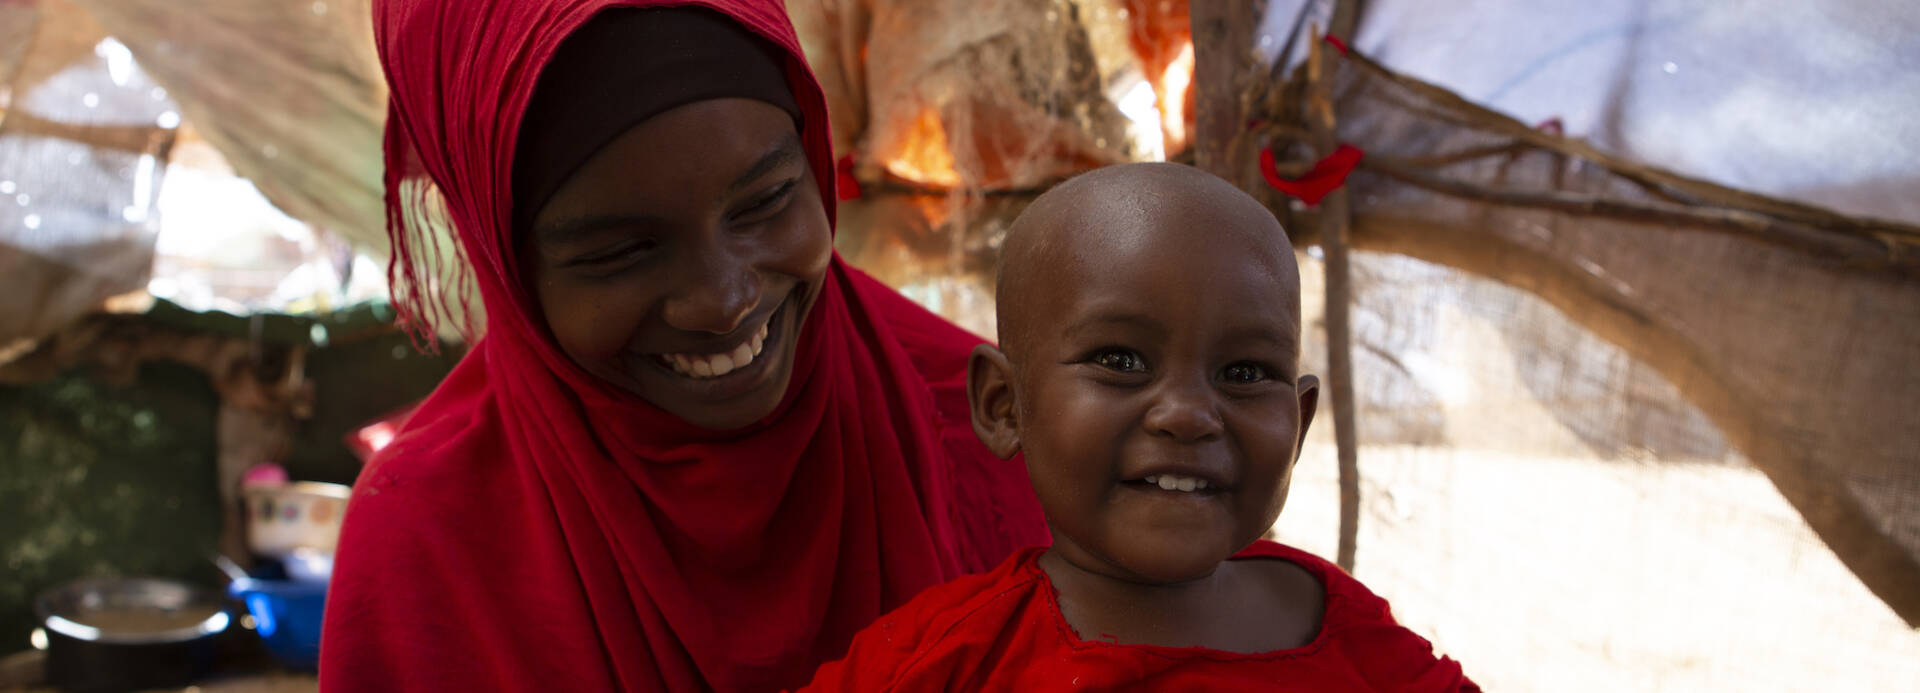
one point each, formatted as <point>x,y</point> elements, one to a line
<point>1169,482</point>
<point>716,365</point>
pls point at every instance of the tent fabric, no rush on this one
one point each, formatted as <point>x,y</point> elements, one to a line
<point>1808,381</point>
<point>290,92</point>
<point>1804,101</point>
<point>85,135</point>
<point>1009,92</point>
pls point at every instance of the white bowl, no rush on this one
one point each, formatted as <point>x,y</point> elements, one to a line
<point>301,516</point>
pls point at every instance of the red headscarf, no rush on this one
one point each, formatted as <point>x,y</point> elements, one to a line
<point>535,527</point>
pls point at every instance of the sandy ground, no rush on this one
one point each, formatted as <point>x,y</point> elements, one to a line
<point>1581,575</point>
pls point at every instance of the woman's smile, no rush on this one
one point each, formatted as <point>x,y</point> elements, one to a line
<point>740,364</point>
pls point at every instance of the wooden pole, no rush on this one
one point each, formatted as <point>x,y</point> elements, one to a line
<point>1224,61</point>
<point>1335,218</point>
<point>1223,66</point>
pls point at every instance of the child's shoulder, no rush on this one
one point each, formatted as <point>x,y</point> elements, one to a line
<point>943,606</point>
<point>939,633</point>
<point>1344,596</point>
<point>1359,626</point>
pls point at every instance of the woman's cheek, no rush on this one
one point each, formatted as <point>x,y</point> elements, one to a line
<point>807,240</point>
<point>592,323</point>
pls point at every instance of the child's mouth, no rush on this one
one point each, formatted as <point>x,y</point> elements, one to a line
<point>1176,485</point>
<point>1174,482</point>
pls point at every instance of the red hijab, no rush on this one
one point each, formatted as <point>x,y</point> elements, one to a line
<point>535,527</point>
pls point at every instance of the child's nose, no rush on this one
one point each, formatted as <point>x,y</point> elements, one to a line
<point>1186,413</point>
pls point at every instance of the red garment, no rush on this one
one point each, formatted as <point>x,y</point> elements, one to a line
<point>1003,631</point>
<point>533,528</point>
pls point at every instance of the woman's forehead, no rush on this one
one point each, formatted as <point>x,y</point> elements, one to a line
<point>693,159</point>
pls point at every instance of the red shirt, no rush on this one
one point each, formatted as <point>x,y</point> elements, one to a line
<point>1002,631</point>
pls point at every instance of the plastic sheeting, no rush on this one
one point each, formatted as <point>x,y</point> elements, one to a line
<point>1808,101</point>
<point>289,93</point>
<point>83,145</point>
<point>289,90</point>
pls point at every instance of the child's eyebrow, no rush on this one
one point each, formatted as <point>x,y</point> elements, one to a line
<point>1278,338</point>
<point>1112,318</point>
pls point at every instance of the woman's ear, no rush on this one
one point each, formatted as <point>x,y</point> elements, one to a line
<point>990,396</point>
<point>1309,389</point>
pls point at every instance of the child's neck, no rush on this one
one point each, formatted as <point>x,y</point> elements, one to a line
<point>1242,606</point>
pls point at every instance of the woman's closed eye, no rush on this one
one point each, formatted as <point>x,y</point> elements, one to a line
<point>768,204</point>
<point>615,256</point>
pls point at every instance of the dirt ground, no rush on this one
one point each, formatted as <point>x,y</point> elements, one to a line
<point>1583,575</point>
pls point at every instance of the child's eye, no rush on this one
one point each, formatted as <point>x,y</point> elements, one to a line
<point>1245,373</point>
<point>1120,360</point>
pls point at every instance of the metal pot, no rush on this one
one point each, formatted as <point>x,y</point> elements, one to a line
<point>124,634</point>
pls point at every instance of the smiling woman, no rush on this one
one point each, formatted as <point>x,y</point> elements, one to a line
<point>666,262</point>
<point>695,450</point>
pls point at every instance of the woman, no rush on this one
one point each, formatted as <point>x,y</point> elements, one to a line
<point>694,450</point>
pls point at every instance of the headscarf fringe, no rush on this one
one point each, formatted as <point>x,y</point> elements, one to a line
<point>431,280</point>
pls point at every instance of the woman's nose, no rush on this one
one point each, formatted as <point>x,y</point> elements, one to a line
<point>1185,412</point>
<point>717,294</point>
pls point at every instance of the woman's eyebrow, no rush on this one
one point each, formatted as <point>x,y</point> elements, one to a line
<point>574,230</point>
<point>784,152</point>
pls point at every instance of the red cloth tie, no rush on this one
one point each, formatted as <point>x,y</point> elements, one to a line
<point>1327,174</point>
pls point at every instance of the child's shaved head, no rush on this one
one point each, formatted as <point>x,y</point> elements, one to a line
<point>1149,319</point>
<point>1126,205</point>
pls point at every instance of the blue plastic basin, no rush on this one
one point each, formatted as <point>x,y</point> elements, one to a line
<point>286,615</point>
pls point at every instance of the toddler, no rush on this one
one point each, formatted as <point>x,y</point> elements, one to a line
<point>1149,318</point>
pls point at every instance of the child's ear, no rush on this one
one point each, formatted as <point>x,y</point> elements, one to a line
<point>990,397</point>
<point>1309,389</point>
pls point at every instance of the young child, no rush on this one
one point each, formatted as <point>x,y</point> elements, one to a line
<point>1149,319</point>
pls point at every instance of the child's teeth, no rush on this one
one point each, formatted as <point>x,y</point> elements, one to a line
<point>742,355</point>
<point>702,368</point>
<point>1169,482</point>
